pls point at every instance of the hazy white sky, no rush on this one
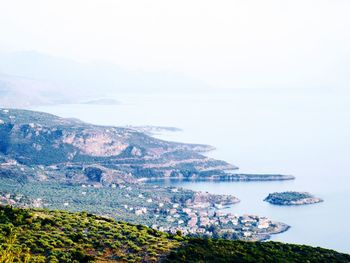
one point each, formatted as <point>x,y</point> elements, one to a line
<point>223,43</point>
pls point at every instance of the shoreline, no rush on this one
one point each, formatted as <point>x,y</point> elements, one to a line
<point>300,203</point>
<point>282,228</point>
<point>222,178</point>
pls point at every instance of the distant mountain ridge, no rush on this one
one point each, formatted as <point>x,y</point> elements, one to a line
<point>25,92</point>
<point>31,78</point>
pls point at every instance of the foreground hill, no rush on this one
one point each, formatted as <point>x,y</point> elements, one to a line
<point>58,236</point>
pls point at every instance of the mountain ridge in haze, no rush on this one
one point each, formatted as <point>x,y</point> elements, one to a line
<point>40,79</point>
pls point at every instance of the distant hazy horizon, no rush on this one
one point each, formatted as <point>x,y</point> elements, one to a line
<point>217,45</point>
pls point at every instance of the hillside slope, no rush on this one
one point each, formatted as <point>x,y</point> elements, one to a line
<point>58,236</point>
<point>29,138</point>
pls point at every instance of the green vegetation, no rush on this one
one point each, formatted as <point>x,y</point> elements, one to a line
<point>292,198</point>
<point>100,201</point>
<point>211,250</point>
<point>58,236</point>
<point>33,235</point>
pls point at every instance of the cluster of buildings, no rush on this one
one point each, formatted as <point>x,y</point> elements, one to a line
<point>214,223</point>
<point>207,219</point>
<point>195,216</point>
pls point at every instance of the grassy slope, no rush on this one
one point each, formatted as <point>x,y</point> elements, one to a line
<point>209,250</point>
<point>58,236</point>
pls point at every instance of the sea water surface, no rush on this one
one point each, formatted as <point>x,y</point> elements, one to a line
<point>304,132</point>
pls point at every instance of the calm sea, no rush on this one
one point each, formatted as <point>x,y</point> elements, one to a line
<point>305,133</point>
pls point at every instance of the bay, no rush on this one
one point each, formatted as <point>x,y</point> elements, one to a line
<point>302,132</point>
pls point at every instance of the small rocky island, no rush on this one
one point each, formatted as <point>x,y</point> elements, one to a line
<point>292,198</point>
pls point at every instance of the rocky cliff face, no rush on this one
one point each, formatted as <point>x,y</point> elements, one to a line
<point>70,150</point>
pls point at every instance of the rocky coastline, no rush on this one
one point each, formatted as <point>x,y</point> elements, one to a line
<point>224,177</point>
